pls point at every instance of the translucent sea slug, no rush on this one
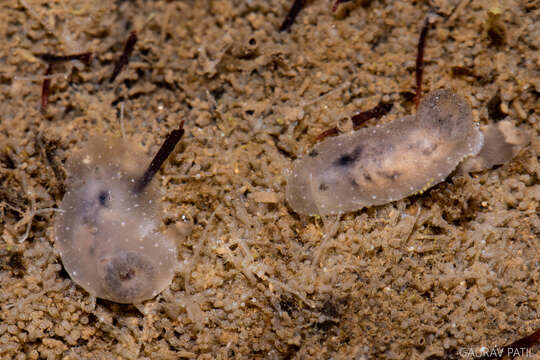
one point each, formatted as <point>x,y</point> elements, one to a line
<point>377,165</point>
<point>108,234</point>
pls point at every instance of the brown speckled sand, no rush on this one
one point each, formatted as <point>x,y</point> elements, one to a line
<point>429,276</point>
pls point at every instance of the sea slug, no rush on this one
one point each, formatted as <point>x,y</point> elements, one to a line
<point>108,233</point>
<point>377,165</point>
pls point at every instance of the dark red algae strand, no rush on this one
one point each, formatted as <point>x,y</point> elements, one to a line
<point>337,3</point>
<point>330,132</point>
<point>291,15</point>
<point>45,88</point>
<point>420,60</point>
<point>52,58</point>
<point>326,133</point>
<point>124,59</point>
<point>378,111</point>
<point>163,153</point>
<point>515,349</point>
<point>360,117</point>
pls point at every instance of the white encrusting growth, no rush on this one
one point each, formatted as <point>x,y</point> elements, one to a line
<point>108,234</point>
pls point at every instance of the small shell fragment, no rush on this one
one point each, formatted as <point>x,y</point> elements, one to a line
<point>108,234</point>
<point>267,197</point>
<point>377,165</point>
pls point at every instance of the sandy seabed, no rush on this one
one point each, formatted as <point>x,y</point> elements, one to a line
<point>440,275</point>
